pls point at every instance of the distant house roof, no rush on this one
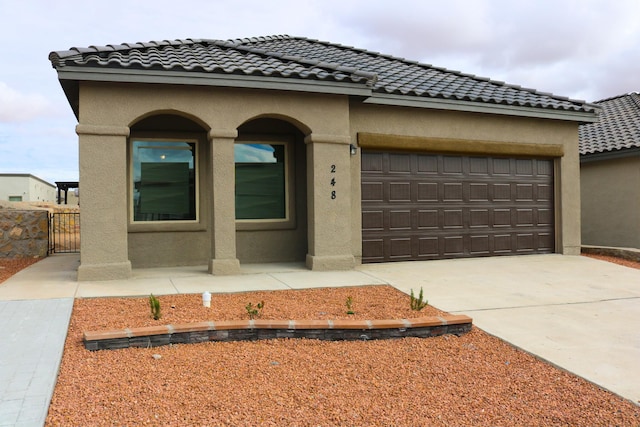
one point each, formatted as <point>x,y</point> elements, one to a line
<point>25,175</point>
<point>298,63</point>
<point>618,127</point>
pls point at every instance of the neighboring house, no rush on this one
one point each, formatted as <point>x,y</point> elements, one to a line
<point>610,174</point>
<point>280,149</point>
<point>23,187</point>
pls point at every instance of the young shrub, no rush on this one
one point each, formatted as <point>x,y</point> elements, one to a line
<point>154,304</point>
<point>418,304</point>
<point>349,304</point>
<point>254,311</point>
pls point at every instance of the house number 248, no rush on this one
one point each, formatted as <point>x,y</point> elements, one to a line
<point>333,181</point>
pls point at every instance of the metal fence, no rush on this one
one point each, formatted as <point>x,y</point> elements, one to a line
<point>64,232</point>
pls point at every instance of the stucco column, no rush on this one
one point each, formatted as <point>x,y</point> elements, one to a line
<point>223,210</point>
<point>569,200</point>
<point>103,204</point>
<point>329,202</point>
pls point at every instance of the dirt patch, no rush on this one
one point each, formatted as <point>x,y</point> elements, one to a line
<point>475,379</point>
<point>615,260</point>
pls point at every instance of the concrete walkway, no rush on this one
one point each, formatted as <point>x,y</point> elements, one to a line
<point>578,313</point>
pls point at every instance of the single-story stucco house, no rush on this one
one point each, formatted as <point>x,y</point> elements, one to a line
<point>286,149</point>
<point>610,174</point>
<point>24,187</point>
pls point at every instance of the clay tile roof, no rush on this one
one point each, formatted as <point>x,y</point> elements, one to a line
<point>312,60</point>
<point>618,127</point>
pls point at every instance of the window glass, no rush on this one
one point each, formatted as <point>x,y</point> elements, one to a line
<point>164,180</point>
<point>260,181</point>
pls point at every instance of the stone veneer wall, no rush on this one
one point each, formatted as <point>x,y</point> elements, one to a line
<point>23,233</point>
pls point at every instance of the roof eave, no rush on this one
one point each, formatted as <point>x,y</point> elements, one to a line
<point>610,155</point>
<point>210,79</point>
<point>477,107</point>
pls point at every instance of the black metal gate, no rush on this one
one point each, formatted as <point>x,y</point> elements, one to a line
<point>64,232</point>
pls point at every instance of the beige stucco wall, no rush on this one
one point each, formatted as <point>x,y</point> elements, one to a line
<point>111,244</point>
<point>467,127</point>
<point>611,202</point>
<point>107,112</point>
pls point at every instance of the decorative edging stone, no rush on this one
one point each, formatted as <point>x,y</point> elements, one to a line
<point>251,330</point>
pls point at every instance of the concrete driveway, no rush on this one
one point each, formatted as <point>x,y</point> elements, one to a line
<point>581,314</point>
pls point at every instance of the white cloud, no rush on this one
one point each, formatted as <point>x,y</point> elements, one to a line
<point>20,107</point>
<point>584,49</point>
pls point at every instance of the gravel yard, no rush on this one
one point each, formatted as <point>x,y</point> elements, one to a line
<point>475,379</point>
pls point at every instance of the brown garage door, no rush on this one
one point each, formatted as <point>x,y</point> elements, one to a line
<point>430,206</point>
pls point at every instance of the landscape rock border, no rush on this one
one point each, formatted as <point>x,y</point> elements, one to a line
<point>251,330</point>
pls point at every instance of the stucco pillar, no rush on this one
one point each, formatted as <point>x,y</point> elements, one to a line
<point>329,202</point>
<point>103,224</point>
<point>223,211</point>
<point>569,200</point>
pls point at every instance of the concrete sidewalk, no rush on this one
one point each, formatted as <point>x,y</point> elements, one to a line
<point>30,354</point>
<point>578,313</point>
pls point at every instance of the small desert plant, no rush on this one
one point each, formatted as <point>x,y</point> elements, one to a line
<point>154,304</point>
<point>349,304</point>
<point>254,311</point>
<point>418,304</point>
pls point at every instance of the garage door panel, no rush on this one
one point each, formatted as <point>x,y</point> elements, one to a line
<point>373,191</point>
<point>480,245</point>
<point>427,219</point>
<point>427,191</point>
<point>544,192</point>
<point>502,217</point>
<point>371,162</point>
<point>479,192</point>
<point>478,218</point>
<point>453,191</point>
<point>479,166</point>
<point>452,165</point>
<point>400,248</point>
<point>453,246</point>
<point>427,164</point>
<point>524,192</point>
<point>399,163</point>
<point>373,220</point>
<point>428,247</point>
<point>501,192</point>
<point>544,168</point>
<point>452,218</point>
<point>399,191</point>
<point>524,167</point>
<point>545,217</point>
<point>373,250</point>
<point>524,217</point>
<point>400,220</point>
<point>524,242</point>
<point>430,206</point>
<point>546,241</point>
<point>501,166</point>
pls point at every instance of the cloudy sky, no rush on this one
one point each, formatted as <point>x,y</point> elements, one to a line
<point>583,49</point>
